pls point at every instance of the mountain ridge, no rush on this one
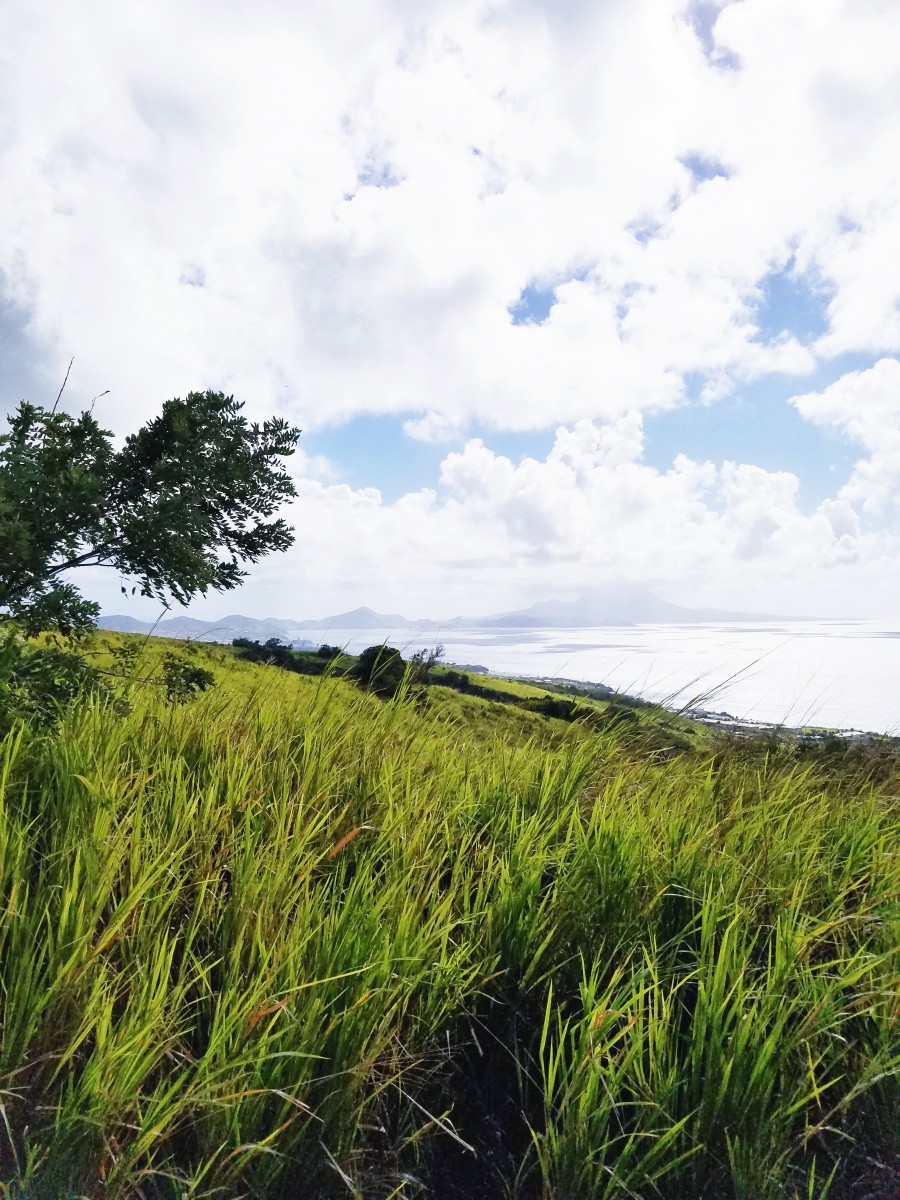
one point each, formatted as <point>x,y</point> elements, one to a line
<point>620,605</point>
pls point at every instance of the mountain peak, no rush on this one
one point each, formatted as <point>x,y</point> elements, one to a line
<point>614,604</point>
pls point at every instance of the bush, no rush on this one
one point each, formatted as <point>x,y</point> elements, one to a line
<point>183,680</point>
<point>455,679</point>
<point>552,706</point>
<point>272,651</point>
<point>422,662</point>
<point>38,682</point>
<point>380,669</point>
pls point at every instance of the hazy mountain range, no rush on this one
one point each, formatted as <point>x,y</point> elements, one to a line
<point>601,606</point>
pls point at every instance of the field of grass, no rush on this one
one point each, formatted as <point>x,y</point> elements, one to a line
<point>292,940</point>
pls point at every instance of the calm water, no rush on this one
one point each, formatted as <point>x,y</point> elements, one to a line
<point>842,674</point>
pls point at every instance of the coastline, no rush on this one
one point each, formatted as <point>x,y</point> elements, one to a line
<point>721,721</point>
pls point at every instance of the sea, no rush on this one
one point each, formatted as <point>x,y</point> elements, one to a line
<point>837,674</point>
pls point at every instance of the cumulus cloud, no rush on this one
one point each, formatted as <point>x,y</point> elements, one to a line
<point>334,210</point>
<point>865,405</point>
<point>496,532</point>
<point>337,215</point>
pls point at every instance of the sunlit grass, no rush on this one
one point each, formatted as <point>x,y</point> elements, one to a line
<point>293,940</point>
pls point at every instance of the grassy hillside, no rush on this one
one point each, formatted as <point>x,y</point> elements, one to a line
<point>292,940</point>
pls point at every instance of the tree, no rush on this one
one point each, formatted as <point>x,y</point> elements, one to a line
<point>422,661</point>
<point>189,498</point>
<point>380,669</point>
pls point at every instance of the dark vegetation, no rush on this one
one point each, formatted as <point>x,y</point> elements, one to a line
<point>189,498</point>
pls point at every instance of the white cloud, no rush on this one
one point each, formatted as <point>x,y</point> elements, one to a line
<point>329,210</point>
<point>497,532</point>
<point>364,196</point>
<point>865,405</point>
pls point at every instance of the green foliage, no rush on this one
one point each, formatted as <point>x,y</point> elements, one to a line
<point>273,653</point>
<point>423,662</point>
<point>189,498</point>
<point>553,706</point>
<point>458,680</point>
<point>37,683</point>
<point>126,655</point>
<point>43,684</point>
<point>380,669</point>
<point>183,679</point>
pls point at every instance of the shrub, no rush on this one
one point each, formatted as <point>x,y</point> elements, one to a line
<point>38,682</point>
<point>183,680</point>
<point>380,669</point>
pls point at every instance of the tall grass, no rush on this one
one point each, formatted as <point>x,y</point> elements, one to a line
<point>292,940</point>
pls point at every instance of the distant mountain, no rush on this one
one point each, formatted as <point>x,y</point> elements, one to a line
<point>122,624</point>
<point>622,605</point>
<point>612,606</point>
<point>191,628</point>
<point>237,625</point>
<point>363,618</point>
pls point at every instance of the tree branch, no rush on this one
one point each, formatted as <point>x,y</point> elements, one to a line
<point>82,560</point>
<point>63,388</point>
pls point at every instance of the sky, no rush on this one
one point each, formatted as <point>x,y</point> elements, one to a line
<point>561,293</point>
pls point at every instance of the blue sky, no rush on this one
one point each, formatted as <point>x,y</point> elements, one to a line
<point>759,426</point>
<point>560,294</point>
<point>757,423</point>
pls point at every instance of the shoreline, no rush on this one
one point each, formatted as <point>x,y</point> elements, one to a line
<point>724,722</point>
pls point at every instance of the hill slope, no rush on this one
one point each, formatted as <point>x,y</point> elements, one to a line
<point>292,939</point>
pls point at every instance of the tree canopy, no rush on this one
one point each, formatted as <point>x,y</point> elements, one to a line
<point>380,669</point>
<point>189,498</point>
